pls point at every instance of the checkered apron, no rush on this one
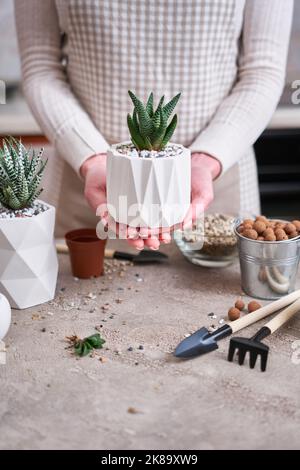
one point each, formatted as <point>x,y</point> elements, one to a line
<point>164,46</point>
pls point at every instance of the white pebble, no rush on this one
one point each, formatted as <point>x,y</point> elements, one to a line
<point>134,153</point>
<point>91,296</point>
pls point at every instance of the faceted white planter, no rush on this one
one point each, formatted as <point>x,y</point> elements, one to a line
<point>28,267</point>
<point>5,317</point>
<point>148,192</point>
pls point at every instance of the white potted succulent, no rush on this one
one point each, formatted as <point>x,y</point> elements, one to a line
<point>149,178</point>
<point>5,318</point>
<point>28,260</point>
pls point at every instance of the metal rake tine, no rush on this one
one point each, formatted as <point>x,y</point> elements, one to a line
<point>252,345</point>
<point>263,361</point>
<point>241,357</point>
<point>231,351</point>
<point>253,358</point>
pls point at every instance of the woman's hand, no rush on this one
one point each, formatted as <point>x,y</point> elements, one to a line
<point>93,170</point>
<point>204,170</point>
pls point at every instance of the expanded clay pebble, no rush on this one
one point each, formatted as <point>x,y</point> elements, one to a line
<point>297,224</point>
<point>263,229</point>
<point>253,305</point>
<point>249,222</point>
<point>271,237</point>
<point>259,226</point>
<point>290,228</point>
<point>293,235</point>
<point>280,234</point>
<point>268,231</point>
<point>262,218</point>
<point>250,233</point>
<point>233,313</point>
<point>239,304</point>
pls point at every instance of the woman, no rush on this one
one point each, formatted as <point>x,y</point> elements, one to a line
<point>227,57</point>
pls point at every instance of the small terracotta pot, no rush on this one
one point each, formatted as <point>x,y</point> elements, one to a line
<point>86,252</point>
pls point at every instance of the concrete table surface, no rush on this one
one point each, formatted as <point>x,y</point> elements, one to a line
<point>144,398</point>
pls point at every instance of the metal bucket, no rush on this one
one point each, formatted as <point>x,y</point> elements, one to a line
<point>268,269</point>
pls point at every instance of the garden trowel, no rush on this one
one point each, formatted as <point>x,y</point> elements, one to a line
<point>203,341</point>
<point>144,257</point>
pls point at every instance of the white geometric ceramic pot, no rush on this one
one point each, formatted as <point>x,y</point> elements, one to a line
<point>5,316</point>
<point>148,192</point>
<point>28,259</point>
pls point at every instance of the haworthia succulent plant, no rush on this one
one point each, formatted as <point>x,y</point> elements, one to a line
<point>149,129</point>
<point>21,172</point>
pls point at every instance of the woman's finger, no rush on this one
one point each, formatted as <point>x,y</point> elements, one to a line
<point>165,237</point>
<point>165,234</point>
<point>198,206</point>
<point>147,232</point>
<point>122,231</point>
<point>137,244</point>
<point>188,220</point>
<point>101,209</point>
<point>132,233</point>
<point>144,232</point>
<point>152,243</point>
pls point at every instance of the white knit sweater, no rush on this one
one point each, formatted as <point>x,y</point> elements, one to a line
<point>227,57</point>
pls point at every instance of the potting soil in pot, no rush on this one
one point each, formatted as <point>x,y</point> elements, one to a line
<point>171,150</point>
<point>29,267</point>
<point>35,209</point>
<point>148,188</point>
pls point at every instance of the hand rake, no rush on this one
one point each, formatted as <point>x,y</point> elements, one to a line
<point>202,341</point>
<point>254,345</point>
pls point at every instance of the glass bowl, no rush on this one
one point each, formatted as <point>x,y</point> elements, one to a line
<point>211,242</point>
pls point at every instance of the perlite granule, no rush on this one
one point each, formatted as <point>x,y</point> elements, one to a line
<point>217,233</point>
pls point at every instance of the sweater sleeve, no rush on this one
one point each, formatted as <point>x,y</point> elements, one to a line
<point>246,111</point>
<point>45,85</point>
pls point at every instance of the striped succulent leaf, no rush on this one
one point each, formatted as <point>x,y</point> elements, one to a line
<point>169,107</point>
<point>21,171</point>
<point>149,129</point>
<point>159,134</point>
<point>145,122</point>
<point>156,115</point>
<point>149,105</point>
<point>170,130</point>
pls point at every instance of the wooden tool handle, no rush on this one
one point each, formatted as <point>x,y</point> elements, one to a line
<point>109,253</point>
<point>263,312</point>
<point>283,316</point>
<point>61,248</point>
